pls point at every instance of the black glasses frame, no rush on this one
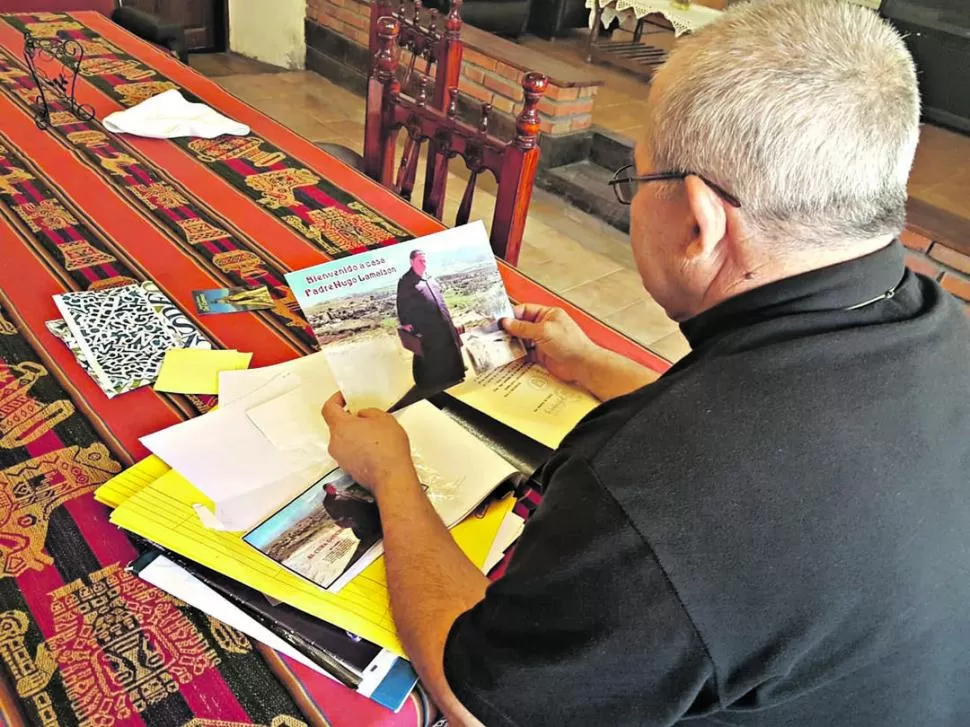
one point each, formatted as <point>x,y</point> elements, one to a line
<point>619,179</point>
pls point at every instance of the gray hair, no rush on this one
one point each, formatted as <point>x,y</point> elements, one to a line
<point>806,110</point>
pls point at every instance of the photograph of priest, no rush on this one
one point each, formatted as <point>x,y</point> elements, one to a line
<point>427,324</point>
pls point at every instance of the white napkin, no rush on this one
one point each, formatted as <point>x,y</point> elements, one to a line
<point>169,115</point>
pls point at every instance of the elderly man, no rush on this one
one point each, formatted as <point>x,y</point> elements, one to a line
<point>775,532</point>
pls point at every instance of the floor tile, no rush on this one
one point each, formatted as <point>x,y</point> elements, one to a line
<point>570,264</point>
<point>672,347</point>
<point>609,294</point>
<point>531,259</point>
<point>226,64</point>
<point>645,322</point>
<point>350,129</point>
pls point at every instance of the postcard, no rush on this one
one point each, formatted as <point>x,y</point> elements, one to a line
<point>407,321</point>
<point>232,300</point>
<point>324,532</point>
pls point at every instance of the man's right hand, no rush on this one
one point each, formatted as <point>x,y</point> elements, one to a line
<point>560,344</point>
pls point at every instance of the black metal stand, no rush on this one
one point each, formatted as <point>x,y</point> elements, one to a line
<point>67,54</point>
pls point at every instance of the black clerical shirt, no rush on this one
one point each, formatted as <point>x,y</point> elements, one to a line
<point>776,533</point>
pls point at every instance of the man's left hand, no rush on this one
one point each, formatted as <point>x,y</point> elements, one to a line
<point>369,446</point>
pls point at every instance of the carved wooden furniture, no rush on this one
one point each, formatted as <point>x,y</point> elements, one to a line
<point>437,49</point>
<point>145,25</point>
<point>433,47</point>
<point>514,164</point>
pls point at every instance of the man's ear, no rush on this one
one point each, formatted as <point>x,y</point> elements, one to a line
<point>709,216</point>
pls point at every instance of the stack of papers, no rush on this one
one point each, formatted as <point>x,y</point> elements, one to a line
<point>120,335</point>
<point>373,672</point>
<point>249,490</point>
<point>197,497</point>
<point>163,513</point>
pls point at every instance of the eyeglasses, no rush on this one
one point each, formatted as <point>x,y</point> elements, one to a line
<point>626,181</point>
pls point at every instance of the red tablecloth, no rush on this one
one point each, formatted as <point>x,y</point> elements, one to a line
<point>80,639</point>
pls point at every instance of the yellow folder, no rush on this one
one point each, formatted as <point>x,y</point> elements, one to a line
<point>130,482</point>
<point>163,513</point>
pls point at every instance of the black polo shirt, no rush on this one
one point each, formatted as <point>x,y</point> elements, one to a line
<point>777,532</point>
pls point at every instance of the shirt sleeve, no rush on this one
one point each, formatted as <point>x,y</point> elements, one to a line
<point>584,628</point>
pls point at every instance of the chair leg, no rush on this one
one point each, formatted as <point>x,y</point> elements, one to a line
<point>178,46</point>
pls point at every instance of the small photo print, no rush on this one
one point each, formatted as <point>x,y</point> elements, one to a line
<point>488,347</point>
<point>232,300</point>
<point>322,533</point>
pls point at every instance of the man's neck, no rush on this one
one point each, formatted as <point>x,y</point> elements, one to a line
<point>761,266</point>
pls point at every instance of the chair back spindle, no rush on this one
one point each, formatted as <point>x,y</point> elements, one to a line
<point>439,155</point>
<point>473,160</point>
<point>412,148</point>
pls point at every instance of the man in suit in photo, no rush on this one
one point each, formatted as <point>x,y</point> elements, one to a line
<point>427,325</point>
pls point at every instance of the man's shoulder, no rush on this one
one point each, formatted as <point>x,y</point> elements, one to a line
<point>634,416</point>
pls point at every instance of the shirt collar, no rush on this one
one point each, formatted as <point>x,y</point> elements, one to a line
<point>837,287</point>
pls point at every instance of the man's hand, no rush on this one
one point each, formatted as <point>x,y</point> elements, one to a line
<point>560,344</point>
<point>429,578</point>
<point>370,446</point>
<point>563,348</point>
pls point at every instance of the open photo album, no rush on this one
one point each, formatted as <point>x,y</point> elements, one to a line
<point>331,531</point>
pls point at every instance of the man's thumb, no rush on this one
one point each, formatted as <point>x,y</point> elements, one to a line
<point>333,409</point>
<point>519,328</point>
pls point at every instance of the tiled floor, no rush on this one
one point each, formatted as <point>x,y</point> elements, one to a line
<point>572,253</point>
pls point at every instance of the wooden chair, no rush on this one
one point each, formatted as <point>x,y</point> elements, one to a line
<point>437,49</point>
<point>440,52</point>
<point>514,163</point>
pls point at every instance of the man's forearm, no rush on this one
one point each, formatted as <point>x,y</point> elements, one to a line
<point>431,582</point>
<point>607,375</point>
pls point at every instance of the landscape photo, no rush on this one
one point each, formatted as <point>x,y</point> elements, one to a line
<point>324,532</point>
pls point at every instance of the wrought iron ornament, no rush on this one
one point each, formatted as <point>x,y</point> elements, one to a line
<point>67,54</point>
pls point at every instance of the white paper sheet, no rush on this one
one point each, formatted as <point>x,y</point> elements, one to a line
<point>313,371</point>
<point>510,530</point>
<point>293,422</point>
<point>229,459</point>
